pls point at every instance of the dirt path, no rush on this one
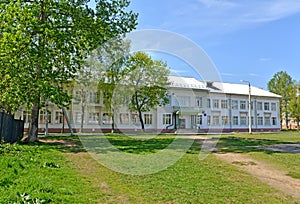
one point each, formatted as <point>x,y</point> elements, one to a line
<point>266,173</point>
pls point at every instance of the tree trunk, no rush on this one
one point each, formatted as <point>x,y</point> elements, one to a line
<point>113,120</point>
<point>141,121</point>
<point>34,124</point>
<point>286,117</point>
<point>82,117</point>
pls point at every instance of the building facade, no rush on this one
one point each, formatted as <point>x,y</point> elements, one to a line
<point>194,106</point>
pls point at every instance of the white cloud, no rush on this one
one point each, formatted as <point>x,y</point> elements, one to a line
<point>215,16</point>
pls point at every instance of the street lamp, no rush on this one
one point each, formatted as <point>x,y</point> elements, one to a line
<point>249,109</point>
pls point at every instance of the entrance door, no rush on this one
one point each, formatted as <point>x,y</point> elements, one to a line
<point>182,123</point>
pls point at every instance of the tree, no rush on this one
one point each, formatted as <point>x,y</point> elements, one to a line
<point>282,84</point>
<point>43,43</point>
<point>110,59</point>
<point>147,82</point>
<point>294,104</point>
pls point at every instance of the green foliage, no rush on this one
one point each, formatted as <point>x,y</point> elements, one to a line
<point>294,104</point>
<point>282,84</point>
<point>44,43</point>
<point>146,83</point>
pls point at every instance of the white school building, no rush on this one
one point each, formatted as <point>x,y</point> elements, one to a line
<point>194,106</point>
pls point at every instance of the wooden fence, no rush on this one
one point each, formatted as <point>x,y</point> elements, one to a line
<point>11,130</point>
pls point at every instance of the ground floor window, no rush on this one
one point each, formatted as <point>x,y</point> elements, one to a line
<point>216,120</point>
<point>26,116</point>
<point>59,118</point>
<point>243,120</point>
<point>267,120</point>
<point>43,115</point>
<point>106,119</point>
<point>208,120</point>
<point>259,120</point>
<point>124,118</point>
<point>225,120</point>
<point>167,119</point>
<point>235,120</point>
<point>134,118</point>
<point>148,119</point>
<point>93,117</point>
<point>274,121</point>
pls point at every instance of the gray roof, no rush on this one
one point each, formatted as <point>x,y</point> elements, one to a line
<point>219,87</point>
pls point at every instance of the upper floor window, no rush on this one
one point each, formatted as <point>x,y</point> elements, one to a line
<point>199,102</point>
<point>93,97</point>
<point>242,105</point>
<point>215,103</point>
<point>266,106</point>
<point>259,106</point>
<point>273,106</point>
<point>235,104</point>
<point>224,104</point>
<point>184,101</point>
<point>208,103</point>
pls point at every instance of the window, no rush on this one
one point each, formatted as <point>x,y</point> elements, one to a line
<point>93,97</point>
<point>235,104</point>
<point>196,119</point>
<point>273,106</point>
<point>208,120</point>
<point>208,103</point>
<point>215,103</point>
<point>274,121</point>
<point>216,120</point>
<point>267,120</point>
<point>224,104</point>
<point>235,120</point>
<point>148,119</point>
<point>259,106</point>
<point>59,117</point>
<point>243,120</point>
<point>199,102</point>
<point>134,118</point>
<point>259,120</point>
<point>78,95</point>
<point>43,116</point>
<point>184,101</point>
<point>243,105</point>
<point>77,117</point>
<point>224,120</point>
<point>266,106</point>
<point>106,119</point>
<point>124,118</point>
<point>167,118</point>
<point>93,117</point>
<point>26,116</point>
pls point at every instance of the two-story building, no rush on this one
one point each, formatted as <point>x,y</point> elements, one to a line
<point>194,106</point>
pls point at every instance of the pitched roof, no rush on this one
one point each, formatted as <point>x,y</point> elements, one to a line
<point>218,87</point>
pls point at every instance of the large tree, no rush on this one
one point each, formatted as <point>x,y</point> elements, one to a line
<point>110,59</point>
<point>146,80</point>
<point>43,43</point>
<point>294,104</point>
<point>282,84</point>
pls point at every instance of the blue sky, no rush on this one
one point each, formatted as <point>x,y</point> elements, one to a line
<point>246,39</point>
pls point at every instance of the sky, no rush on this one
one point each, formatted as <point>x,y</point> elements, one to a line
<point>246,39</point>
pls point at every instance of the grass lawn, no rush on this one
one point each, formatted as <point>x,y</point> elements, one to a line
<point>54,173</point>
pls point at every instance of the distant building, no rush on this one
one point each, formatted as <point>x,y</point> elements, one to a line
<point>194,106</point>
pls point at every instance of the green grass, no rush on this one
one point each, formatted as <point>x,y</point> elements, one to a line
<point>53,173</point>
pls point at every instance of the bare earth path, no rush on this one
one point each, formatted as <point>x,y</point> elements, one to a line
<point>266,173</point>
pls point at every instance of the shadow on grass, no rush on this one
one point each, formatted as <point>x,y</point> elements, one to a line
<point>246,145</point>
<point>143,145</point>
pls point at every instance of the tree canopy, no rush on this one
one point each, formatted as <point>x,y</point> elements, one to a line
<point>146,82</point>
<point>282,84</point>
<point>43,43</point>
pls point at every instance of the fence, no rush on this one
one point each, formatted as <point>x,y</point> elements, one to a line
<point>11,130</point>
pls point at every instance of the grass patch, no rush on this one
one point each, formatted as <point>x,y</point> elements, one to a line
<point>56,173</point>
